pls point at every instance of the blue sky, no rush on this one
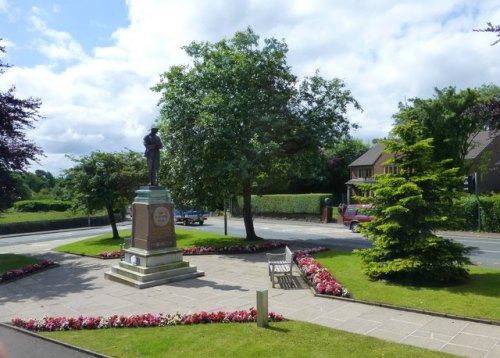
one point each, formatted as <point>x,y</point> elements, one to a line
<point>90,23</point>
<point>93,62</point>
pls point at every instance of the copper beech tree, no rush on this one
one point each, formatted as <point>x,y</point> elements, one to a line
<point>16,150</point>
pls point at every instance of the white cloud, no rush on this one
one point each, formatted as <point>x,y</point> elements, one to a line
<point>386,51</point>
<point>4,6</point>
<point>56,45</point>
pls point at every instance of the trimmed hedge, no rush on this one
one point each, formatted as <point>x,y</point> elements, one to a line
<point>34,206</point>
<point>47,225</point>
<point>465,211</point>
<point>280,204</point>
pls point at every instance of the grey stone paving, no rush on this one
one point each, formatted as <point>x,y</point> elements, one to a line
<point>77,287</point>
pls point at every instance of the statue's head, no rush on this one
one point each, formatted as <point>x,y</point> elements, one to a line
<point>154,129</point>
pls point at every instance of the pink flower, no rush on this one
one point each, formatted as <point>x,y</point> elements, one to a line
<point>318,275</point>
<point>144,320</point>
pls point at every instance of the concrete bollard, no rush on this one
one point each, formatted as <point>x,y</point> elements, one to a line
<point>262,308</point>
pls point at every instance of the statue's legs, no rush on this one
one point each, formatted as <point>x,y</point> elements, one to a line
<point>153,167</point>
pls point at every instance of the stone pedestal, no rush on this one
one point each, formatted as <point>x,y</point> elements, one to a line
<point>153,258</point>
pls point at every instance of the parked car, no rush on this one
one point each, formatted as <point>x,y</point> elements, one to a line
<point>191,217</point>
<point>355,215</point>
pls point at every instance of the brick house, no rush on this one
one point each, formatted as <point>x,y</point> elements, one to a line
<point>484,158</point>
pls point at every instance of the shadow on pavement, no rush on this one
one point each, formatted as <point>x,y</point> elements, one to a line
<point>72,275</point>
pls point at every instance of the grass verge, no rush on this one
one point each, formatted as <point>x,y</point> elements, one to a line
<point>281,339</point>
<point>185,238</point>
<point>9,262</point>
<point>478,298</point>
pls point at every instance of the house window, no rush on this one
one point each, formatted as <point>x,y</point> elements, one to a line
<point>365,173</point>
<point>391,169</point>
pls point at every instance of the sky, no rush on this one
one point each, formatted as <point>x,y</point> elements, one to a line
<point>92,63</point>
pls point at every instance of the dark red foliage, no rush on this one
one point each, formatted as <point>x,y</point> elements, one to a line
<point>488,112</point>
<point>16,151</point>
<point>492,28</point>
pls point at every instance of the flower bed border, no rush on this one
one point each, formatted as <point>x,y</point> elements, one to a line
<point>317,276</point>
<point>50,324</point>
<point>25,271</point>
<point>213,250</point>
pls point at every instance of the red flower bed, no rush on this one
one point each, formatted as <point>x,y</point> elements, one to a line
<point>143,320</point>
<point>238,249</point>
<point>110,254</point>
<point>12,275</point>
<point>319,277</point>
<point>210,250</point>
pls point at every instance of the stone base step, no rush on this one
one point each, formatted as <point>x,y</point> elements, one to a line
<point>118,277</point>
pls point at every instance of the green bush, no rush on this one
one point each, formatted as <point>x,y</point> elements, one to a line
<point>41,205</point>
<point>464,213</point>
<point>284,204</point>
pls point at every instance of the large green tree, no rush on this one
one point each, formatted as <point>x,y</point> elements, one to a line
<point>16,150</point>
<point>105,181</point>
<point>443,118</point>
<point>409,206</point>
<point>237,113</point>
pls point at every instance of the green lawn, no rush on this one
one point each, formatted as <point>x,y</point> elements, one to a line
<point>281,339</point>
<point>185,238</point>
<point>11,216</point>
<point>9,262</point>
<point>480,297</point>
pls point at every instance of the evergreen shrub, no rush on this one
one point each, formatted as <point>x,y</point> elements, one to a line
<point>41,205</point>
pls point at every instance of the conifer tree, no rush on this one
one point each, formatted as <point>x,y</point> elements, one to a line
<point>409,206</point>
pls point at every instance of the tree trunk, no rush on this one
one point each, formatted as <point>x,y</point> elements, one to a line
<point>112,221</point>
<point>247,210</point>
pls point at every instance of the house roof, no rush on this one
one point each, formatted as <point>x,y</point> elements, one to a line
<point>480,142</point>
<point>370,157</point>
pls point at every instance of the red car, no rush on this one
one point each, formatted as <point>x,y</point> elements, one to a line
<point>354,215</point>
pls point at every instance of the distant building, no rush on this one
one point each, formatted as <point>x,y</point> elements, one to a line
<point>483,158</point>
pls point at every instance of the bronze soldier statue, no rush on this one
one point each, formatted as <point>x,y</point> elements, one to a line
<point>153,145</point>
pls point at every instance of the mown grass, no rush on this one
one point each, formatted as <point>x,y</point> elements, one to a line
<point>185,238</point>
<point>9,262</point>
<point>281,339</point>
<point>479,297</point>
<point>11,216</point>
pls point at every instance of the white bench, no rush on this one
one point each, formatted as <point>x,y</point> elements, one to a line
<point>280,263</point>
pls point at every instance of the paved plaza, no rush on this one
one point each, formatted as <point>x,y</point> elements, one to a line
<point>77,287</point>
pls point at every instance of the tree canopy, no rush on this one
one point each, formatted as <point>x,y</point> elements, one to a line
<point>16,150</point>
<point>105,181</point>
<point>237,113</point>
<point>448,118</point>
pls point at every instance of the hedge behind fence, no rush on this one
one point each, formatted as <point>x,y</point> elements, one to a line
<point>465,211</point>
<point>283,204</point>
